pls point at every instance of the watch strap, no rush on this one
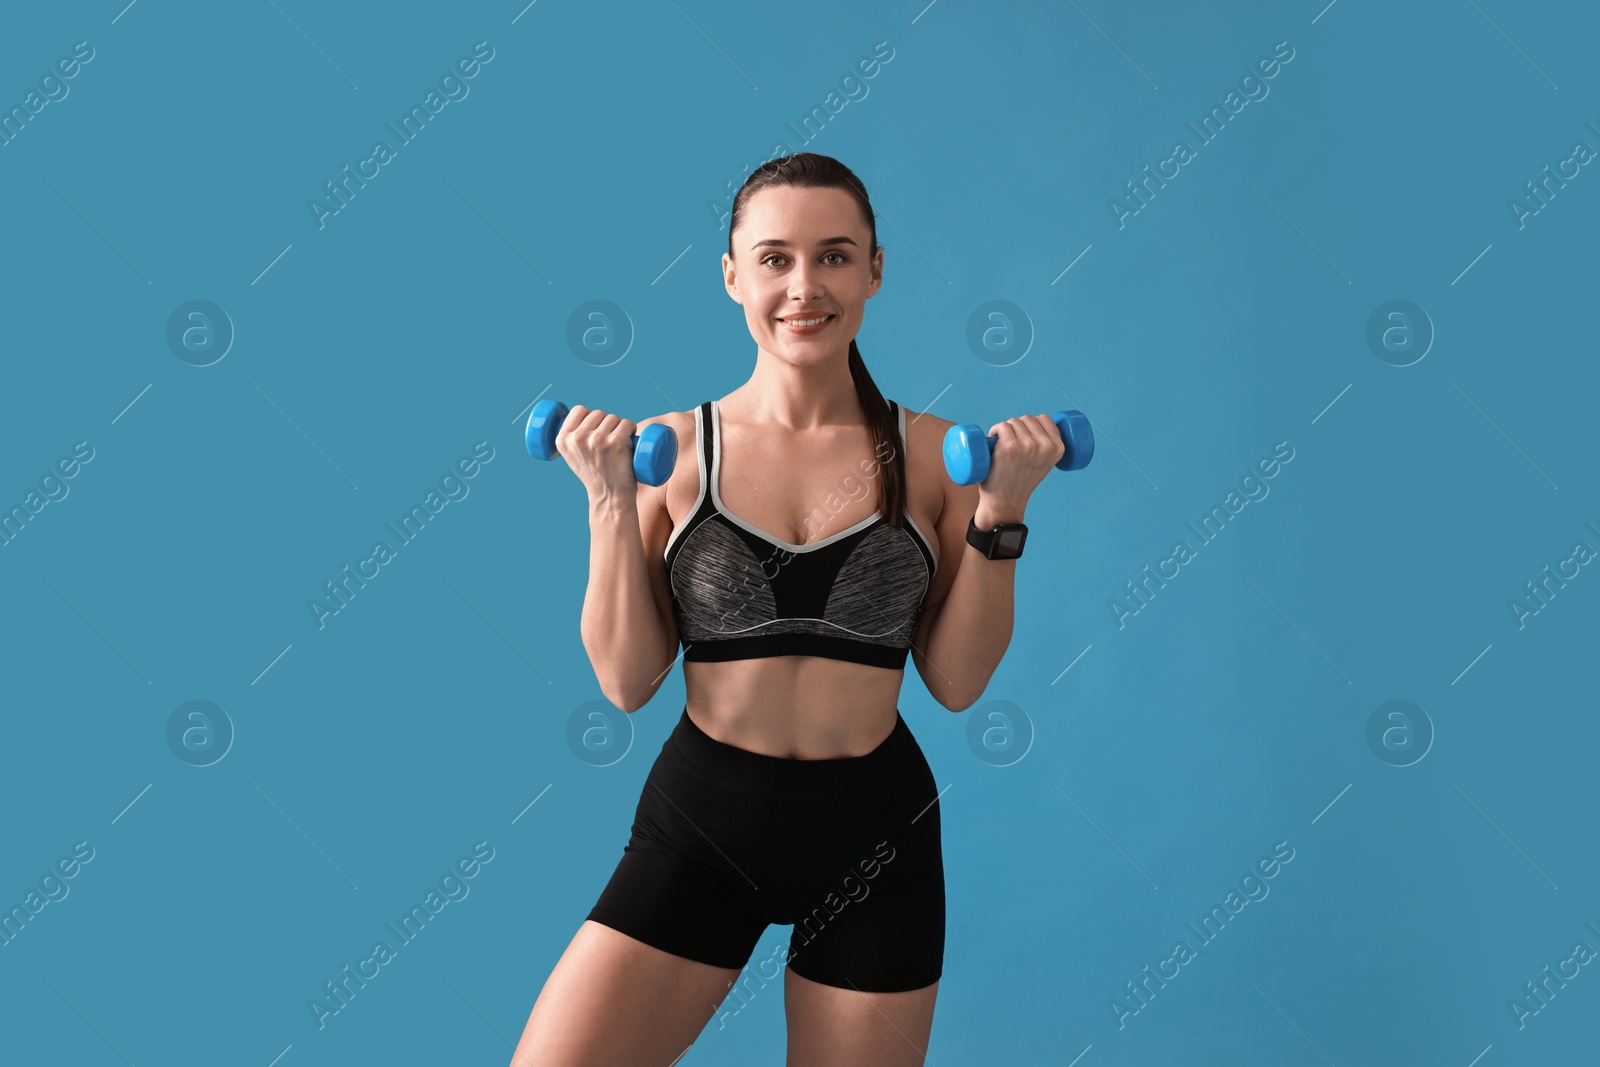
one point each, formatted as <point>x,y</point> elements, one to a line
<point>988,541</point>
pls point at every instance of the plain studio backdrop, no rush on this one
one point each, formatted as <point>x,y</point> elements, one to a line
<point>281,281</point>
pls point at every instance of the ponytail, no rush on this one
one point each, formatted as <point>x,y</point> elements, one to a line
<point>885,440</point>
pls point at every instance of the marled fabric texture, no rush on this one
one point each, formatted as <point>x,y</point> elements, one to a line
<point>736,594</point>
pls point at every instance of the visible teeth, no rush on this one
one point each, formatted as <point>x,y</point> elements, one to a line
<point>806,322</point>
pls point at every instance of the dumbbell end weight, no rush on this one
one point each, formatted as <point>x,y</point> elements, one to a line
<point>1077,435</point>
<point>544,422</point>
<point>655,454</point>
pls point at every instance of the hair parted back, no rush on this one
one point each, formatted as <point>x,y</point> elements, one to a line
<point>812,171</point>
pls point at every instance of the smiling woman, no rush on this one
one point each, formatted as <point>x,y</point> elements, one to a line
<point>845,275</point>
<point>790,760</point>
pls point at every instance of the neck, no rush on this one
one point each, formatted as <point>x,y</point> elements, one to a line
<point>795,397</point>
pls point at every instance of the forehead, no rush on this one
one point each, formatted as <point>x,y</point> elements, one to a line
<point>802,215</point>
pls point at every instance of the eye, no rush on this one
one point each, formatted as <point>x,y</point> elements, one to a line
<point>766,260</point>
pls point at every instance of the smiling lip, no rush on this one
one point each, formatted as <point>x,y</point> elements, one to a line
<point>787,324</point>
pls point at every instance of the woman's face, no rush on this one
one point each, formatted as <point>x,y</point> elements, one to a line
<point>798,255</point>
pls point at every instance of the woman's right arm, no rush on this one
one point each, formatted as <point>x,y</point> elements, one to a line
<point>627,626</point>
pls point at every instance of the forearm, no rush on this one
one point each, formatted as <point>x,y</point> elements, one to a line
<point>973,629</point>
<point>622,628</point>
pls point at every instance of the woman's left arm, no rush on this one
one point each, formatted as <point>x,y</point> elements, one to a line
<point>966,625</point>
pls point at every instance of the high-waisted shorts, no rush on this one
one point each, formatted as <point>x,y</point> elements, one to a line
<point>726,841</point>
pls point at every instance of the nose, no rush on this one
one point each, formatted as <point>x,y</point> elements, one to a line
<point>804,283</point>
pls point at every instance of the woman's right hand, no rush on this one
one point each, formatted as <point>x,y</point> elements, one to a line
<point>599,449</point>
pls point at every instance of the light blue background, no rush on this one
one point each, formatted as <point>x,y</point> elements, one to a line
<point>1228,315</point>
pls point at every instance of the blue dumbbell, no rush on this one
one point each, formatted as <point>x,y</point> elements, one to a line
<point>655,452</point>
<point>967,449</point>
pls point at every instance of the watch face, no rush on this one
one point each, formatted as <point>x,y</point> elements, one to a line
<point>1009,542</point>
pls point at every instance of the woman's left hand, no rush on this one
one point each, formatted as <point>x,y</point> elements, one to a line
<point>1025,449</point>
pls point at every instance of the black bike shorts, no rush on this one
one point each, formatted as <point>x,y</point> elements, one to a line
<point>726,841</point>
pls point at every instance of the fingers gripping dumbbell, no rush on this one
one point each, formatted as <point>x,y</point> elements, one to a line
<point>967,449</point>
<point>655,451</point>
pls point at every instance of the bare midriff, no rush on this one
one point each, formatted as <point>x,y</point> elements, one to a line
<point>796,707</point>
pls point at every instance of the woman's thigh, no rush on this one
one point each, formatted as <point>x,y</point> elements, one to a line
<point>613,1001</point>
<point>830,1026</point>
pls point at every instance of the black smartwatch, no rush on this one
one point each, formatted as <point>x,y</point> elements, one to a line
<point>1005,541</point>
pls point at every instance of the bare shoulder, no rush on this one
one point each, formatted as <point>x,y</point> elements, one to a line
<point>924,428</point>
<point>951,504</point>
<point>925,451</point>
<point>653,499</point>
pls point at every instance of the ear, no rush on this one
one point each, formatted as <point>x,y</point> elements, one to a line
<point>877,273</point>
<point>730,279</point>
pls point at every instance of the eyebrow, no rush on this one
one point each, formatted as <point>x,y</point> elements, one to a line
<point>785,244</point>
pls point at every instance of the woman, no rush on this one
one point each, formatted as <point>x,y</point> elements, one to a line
<point>791,791</point>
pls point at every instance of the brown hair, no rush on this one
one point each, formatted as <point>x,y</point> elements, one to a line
<point>812,171</point>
